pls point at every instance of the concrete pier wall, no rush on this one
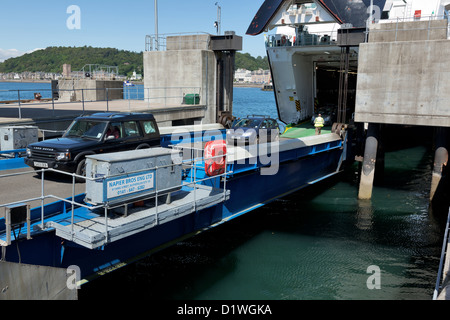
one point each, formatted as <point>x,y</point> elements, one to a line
<point>408,31</point>
<point>20,281</point>
<point>171,74</point>
<point>187,66</point>
<point>403,79</point>
<point>404,83</point>
<point>404,75</point>
<point>93,90</point>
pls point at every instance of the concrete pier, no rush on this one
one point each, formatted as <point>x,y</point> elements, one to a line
<point>198,61</point>
<point>94,90</point>
<point>440,158</point>
<point>404,79</point>
<point>368,168</point>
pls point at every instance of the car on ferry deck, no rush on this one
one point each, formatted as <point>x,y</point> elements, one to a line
<point>253,130</point>
<point>94,134</point>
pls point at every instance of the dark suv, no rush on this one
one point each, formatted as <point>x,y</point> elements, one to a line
<point>93,134</point>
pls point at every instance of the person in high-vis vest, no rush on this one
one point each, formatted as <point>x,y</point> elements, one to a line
<point>318,123</point>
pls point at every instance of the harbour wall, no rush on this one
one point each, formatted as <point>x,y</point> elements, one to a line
<point>404,79</point>
<point>404,83</point>
<point>191,70</point>
<point>404,75</point>
<point>94,90</point>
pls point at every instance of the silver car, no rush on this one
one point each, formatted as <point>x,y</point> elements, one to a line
<point>252,130</point>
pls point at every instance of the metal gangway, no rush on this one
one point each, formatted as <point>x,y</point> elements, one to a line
<point>93,226</point>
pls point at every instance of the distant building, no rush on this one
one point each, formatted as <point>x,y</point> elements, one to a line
<point>261,76</point>
<point>136,76</point>
<point>243,76</point>
<point>255,77</point>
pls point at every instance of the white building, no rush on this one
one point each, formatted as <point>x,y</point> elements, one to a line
<point>243,76</point>
<point>136,76</point>
<point>261,76</point>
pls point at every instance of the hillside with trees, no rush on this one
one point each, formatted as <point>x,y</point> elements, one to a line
<point>52,59</point>
<point>246,61</point>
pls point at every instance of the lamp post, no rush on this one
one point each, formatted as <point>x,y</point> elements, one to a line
<point>156,25</point>
<point>218,22</point>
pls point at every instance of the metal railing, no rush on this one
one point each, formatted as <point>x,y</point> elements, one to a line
<point>166,96</point>
<point>44,131</point>
<point>322,38</point>
<point>177,41</point>
<point>194,183</point>
<point>395,33</point>
<point>50,99</point>
<point>441,277</point>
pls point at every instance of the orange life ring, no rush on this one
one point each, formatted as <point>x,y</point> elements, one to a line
<point>215,166</point>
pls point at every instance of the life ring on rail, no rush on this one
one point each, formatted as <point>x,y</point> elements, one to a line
<point>214,164</point>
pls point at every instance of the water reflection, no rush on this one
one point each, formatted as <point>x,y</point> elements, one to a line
<point>364,215</point>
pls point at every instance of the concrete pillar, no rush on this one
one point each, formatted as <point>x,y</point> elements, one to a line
<point>368,167</point>
<point>379,164</point>
<point>225,78</point>
<point>440,158</point>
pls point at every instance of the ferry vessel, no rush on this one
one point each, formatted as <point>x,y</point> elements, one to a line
<point>312,48</point>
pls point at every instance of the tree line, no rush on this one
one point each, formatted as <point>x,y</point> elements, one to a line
<point>52,59</point>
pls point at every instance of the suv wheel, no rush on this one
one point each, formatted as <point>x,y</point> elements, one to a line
<point>81,170</point>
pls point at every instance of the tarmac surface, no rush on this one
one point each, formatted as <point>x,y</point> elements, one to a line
<point>28,184</point>
<point>37,110</point>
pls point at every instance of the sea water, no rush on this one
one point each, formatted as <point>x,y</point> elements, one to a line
<point>318,243</point>
<point>25,91</point>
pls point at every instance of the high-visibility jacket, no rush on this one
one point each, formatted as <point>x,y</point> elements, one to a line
<point>318,122</point>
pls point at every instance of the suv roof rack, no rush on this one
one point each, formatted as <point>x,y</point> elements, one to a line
<point>258,116</point>
<point>109,115</point>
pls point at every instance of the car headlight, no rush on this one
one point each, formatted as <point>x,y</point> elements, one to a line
<point>28,152</point>
<point>247,134</point>
<point>62,156</point>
